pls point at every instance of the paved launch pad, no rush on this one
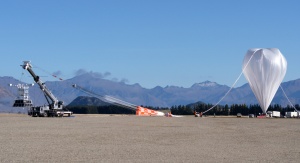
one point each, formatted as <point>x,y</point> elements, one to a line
<point>105,138</point>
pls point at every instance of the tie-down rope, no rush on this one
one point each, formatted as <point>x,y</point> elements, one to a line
<point>232,85</point>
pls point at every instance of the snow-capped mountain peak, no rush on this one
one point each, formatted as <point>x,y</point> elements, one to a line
<point>206,84</point>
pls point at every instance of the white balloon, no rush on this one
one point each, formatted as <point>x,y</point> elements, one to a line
<point>264,68</point>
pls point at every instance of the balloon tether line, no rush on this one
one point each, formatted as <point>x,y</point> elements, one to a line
<point>232,85</point>
<point>288,98</point>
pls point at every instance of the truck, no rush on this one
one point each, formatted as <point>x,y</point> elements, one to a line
<point>275,114</point>
<point>54,108</point>
<point>291,114</point>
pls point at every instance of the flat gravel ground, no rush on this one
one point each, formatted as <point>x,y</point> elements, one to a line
<point>106,138</point>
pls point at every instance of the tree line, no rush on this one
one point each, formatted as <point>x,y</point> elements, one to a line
<point>233,109</point>
<point>109,109</point>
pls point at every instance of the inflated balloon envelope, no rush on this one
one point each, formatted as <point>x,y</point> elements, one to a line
<point>264,68</point>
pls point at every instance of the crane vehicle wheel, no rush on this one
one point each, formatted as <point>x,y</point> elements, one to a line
<point>45,114</point>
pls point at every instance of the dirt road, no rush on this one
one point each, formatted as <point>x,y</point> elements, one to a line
<point>104,138</point>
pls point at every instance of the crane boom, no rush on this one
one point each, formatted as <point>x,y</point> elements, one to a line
<point>27,66</point>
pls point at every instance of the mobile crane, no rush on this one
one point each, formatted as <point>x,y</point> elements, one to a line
<point>54,108</point>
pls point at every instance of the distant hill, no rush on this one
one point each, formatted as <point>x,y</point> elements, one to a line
<point>207,92</point>
<point>87,101</point>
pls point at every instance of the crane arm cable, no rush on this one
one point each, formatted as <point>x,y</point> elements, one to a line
<point>232,85</point>
<point>106,98</point>
<point>288,98</point>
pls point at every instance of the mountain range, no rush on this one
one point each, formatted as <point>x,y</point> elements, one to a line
<point>208,92</point>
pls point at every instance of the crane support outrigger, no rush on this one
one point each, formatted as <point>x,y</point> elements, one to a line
<point>54,107</point>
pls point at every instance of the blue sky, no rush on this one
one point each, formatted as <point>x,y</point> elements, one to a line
<point>150,42</point>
